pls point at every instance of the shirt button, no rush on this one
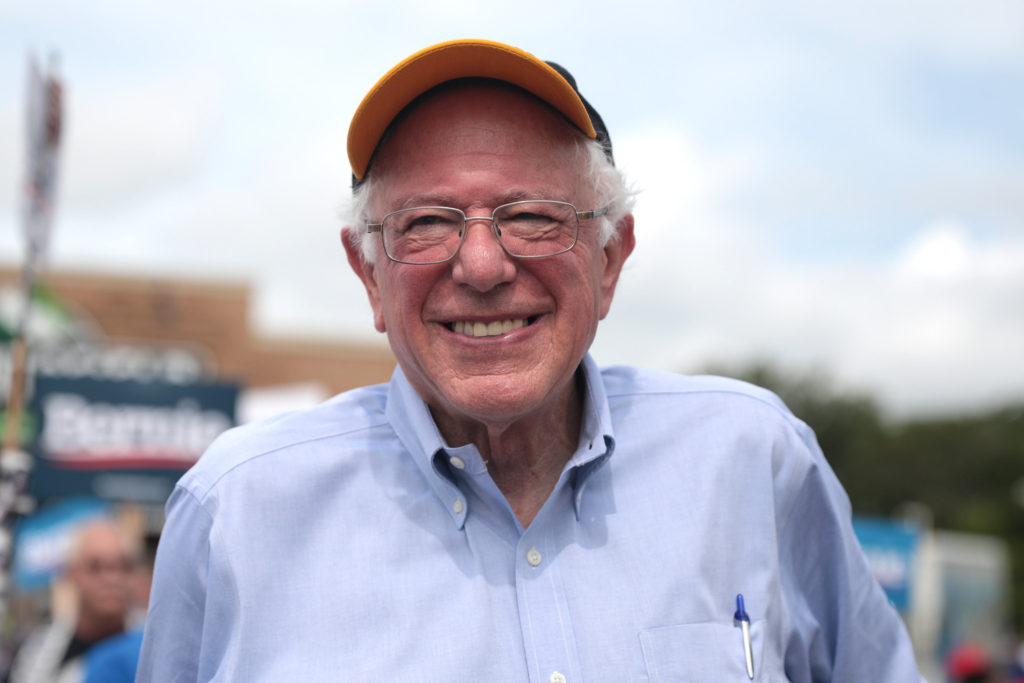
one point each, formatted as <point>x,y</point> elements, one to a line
<point>457,462</point>
<point>557,678</point>
<point>458,506</point>
<point>533,557</point>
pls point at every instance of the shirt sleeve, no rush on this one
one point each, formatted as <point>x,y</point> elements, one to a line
<point>177,616</point>
<point>845,629</point>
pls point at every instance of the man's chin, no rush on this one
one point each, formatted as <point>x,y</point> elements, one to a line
<point>497,399</point>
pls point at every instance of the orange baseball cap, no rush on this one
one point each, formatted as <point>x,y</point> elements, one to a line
<point>454,59</point>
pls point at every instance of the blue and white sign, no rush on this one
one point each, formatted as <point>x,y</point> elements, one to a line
<point>43,541</point>
<point>123,440</point>
<point>890,548</point>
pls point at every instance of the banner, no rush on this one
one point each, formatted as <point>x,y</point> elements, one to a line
<point>123,440</point>
<point>108,360</point>
<point>891,550</point>
<point>43,540</point>
<point>44,122</point>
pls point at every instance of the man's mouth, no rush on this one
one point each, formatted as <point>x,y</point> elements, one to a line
<point>491,329</point>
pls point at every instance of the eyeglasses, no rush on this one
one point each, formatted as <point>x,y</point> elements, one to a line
<point>99,565</point>
<point>529,229</point>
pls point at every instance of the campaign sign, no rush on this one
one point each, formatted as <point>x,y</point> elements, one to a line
<point>43,540</point>
<point>890,548</point>
<point>122,440</point>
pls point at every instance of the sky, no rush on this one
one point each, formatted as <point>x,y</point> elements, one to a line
<point>834,188</point>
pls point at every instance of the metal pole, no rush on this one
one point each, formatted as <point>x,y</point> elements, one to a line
<point>44,120</point>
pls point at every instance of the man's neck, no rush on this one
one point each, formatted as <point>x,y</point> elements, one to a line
<point>93,629</point>
<point>526,457</point>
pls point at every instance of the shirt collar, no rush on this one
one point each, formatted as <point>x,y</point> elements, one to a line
<point>410,418</point>
<point>597,439</point>
<point>415,427</point>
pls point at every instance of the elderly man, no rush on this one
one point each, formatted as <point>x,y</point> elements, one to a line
<point>504,510</point>
<point>98,574</point>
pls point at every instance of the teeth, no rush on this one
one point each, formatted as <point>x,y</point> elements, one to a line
<point>491,329</point>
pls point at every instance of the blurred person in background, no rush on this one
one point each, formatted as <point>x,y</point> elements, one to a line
<point>970,663</point>
<point>90,605</point>
<point>505,509</point>
<point>1017,663</point>
<point>115,659</point>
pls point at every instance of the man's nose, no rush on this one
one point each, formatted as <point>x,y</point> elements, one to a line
<point>482,263</point>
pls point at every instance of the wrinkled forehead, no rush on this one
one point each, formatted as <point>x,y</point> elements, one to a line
<point>492,115</point>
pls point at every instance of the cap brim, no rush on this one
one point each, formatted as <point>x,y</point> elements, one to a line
<point>445,62</point>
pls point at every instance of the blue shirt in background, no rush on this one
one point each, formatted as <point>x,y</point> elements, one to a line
<point>114,660</point>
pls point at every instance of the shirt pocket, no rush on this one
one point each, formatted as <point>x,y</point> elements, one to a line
<point>701,653</point>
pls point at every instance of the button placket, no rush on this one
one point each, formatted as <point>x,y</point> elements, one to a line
<point>545,614</point>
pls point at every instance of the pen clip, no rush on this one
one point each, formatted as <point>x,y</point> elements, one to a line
<point>741,612</point>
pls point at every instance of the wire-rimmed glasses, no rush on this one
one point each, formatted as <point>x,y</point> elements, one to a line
<point>529,229</point>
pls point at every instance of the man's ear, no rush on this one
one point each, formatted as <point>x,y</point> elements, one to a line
<point>616,252</point>
<point>366,271</point>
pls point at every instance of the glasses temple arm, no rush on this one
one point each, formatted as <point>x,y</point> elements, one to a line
<point>595,213</point>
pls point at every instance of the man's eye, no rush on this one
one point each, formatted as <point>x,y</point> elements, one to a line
<point>427,220</point>
<point>529,217</point>
<point>428,227</point>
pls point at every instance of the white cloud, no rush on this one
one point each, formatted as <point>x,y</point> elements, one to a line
<point>12,162</point>
<point>125,142</point>
<point>939,339</point>
<point>986,29</point>
<point>939,254</point>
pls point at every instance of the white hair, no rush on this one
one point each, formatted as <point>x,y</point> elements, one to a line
<point>607,182</point>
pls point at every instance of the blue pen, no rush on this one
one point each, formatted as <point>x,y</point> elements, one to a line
<point>743,620</point>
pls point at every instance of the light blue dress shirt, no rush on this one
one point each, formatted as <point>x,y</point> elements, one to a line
<point>349,543</point>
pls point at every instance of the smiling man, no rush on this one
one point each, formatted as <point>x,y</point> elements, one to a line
<point>491,342</point>
<point>505,510</point>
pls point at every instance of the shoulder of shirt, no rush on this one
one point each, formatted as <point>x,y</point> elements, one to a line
<point>624,381</point>
<point>749,409</point>
<point>348,413</point>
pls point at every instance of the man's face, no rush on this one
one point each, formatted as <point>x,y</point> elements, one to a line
<point>100,573</point>
<point>474,148</point>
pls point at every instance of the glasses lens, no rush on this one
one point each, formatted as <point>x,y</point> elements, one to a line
<point>538,228</point>
<point>423,235</point>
